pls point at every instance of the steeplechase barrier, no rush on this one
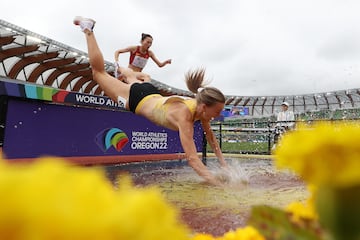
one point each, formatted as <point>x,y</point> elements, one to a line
<point>41,121</point>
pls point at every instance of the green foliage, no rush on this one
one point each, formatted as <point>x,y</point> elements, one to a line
<point>276,224</point>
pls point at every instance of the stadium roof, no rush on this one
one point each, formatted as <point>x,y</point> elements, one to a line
<point>30,57</point>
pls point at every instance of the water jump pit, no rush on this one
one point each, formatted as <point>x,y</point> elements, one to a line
<point>216,210</point>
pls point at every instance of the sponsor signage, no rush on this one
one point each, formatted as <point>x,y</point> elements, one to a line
<point>16,88</point>
<point>38,128</point>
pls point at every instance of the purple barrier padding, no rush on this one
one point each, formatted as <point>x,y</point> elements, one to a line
<point>2,88</point>
<point>35,128</point>
<point>13,89</point>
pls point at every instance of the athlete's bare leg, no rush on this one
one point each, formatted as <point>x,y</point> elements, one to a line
<point>130,77</point>
<point>110,85</point>
<point>143,76</point>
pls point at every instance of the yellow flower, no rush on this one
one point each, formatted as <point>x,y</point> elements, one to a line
<point>327,154</point>
<point>246,233</point>
<point>203,236</point>
<point>50,199</point>
<point>305,210</point>
<point>301,211</point>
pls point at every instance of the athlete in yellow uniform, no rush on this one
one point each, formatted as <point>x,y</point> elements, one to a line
<point>171,112</point>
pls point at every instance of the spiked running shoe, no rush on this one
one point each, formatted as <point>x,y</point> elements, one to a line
<point>84,23</point>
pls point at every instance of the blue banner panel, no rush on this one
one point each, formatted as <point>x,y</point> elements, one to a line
<point>37,128</point>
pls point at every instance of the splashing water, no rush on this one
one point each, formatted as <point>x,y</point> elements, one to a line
<point>216,210</point>
<point>234,176</point>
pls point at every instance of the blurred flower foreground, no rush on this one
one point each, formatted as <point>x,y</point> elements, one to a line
<point>327,157</point>
<point>51,199</point>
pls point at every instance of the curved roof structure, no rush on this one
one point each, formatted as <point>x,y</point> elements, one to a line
<point>30,57</point>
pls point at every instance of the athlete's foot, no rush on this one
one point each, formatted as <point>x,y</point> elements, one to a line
<point>84,23</point>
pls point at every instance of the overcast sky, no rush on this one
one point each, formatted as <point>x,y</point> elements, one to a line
<point>248,47</point>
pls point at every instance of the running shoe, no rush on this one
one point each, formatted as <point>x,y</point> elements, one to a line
<point>84,23</point>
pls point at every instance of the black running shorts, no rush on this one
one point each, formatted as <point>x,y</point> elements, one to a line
<point>138,91</point>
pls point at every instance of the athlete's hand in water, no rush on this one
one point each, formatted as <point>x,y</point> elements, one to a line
<point>222,177</point>
<point>214,182</point>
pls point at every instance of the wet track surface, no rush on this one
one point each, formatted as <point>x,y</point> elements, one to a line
<point>215,210</point>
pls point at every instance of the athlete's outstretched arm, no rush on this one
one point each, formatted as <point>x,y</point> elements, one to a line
<point>157,61</point>
<point>182,118</point>
<point>123,50</point>
<point>186,133</point>
<point>210,137</point>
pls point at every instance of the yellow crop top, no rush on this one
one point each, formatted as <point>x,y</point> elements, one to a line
<point>162,104</point>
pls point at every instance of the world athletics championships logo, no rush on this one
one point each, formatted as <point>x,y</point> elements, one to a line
<point>112,137</point>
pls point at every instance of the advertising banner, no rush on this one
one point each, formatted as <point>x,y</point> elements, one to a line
<point>16,88</point>
<point>37,128</point>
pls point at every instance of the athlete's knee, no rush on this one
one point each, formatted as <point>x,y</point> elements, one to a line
<point>146,77</point>
<point>98,75</point>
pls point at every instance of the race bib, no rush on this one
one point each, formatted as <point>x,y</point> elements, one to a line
<point>139,62</point>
